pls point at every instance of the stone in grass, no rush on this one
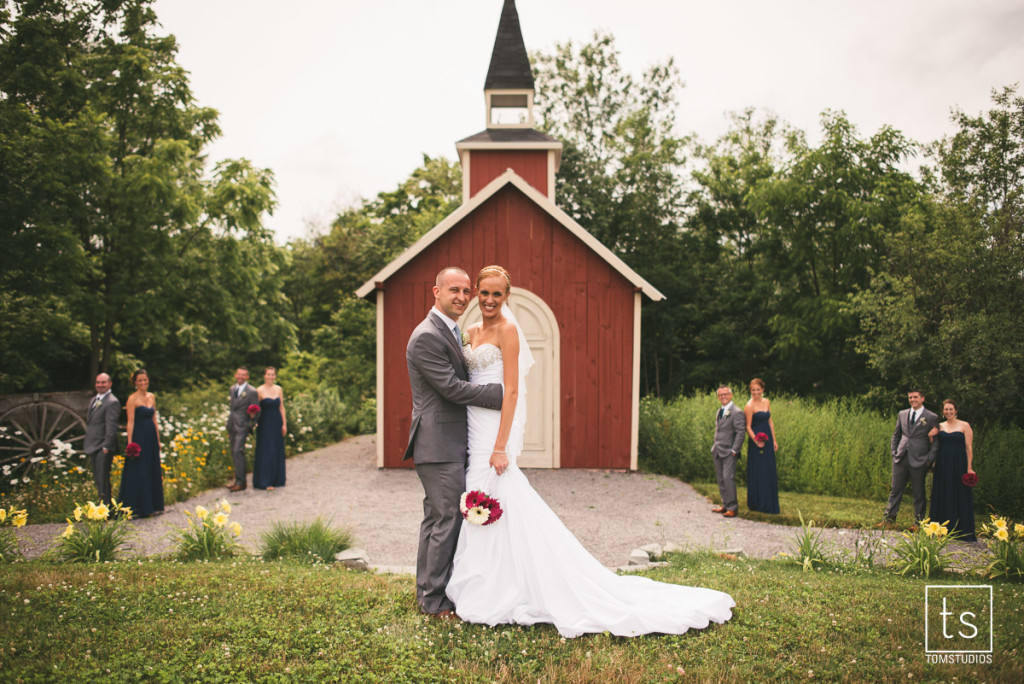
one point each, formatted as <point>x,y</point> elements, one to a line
<point>654,551</point>
<point>354,558</point>
<point>639,557</point>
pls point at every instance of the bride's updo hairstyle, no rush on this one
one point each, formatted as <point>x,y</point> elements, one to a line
<point>490,272</point>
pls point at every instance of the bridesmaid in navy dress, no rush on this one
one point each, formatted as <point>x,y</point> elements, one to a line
<point>268,464</point>
<point>142,480</point>
<point>762,478</point>
<point>952,500</point>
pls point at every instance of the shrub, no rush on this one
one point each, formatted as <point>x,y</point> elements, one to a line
<point>207,534</point>
<point>95,535</point>
<point>1006,545</point>
<point>10,518</point>
<point>315,541</point>
<point>921,552</point>
<point>809,551</point>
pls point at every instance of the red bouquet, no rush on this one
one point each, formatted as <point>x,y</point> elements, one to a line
<point>253,410</point>
<point>970,479</point>
<point>761,437</point>
<point>132,450</point>
<point>480,509</point>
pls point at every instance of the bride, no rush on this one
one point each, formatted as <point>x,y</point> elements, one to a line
<point>528,567</point>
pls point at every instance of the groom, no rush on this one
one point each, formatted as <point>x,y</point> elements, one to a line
<point>438,435</point>
<point>912,453</point>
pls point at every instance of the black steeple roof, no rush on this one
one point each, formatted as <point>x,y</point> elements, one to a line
<point>510,66</point>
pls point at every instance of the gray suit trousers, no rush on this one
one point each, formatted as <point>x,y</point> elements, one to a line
<point>443,484</point>
<point>725,473</point>
<point>101,463</point>
<point>901,472</point>
<point>236,436</point>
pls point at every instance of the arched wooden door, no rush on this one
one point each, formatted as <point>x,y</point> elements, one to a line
<point>541,443</point>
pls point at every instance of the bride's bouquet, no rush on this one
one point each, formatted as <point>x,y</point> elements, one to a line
<point>479,509</point>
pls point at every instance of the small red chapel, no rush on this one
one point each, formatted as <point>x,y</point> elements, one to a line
<point>578,303</point>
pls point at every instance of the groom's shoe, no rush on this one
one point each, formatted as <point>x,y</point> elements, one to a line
<point>444,615</point>
<point>729,514</point>
<point>718,509</point>
<point>236,487</point>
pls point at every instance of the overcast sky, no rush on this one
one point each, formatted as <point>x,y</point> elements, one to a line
<point>341,98</point>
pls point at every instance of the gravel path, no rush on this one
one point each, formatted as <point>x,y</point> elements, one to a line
<point>611,513</point>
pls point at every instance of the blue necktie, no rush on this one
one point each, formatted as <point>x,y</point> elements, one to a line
<point>458,336</point>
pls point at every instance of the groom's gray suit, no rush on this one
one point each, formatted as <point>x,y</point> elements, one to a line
<point>238,426</point>
<point>912,454</point>
<point>438,447</point>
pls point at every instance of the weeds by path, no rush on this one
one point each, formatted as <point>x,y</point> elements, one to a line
<point>250,620</point>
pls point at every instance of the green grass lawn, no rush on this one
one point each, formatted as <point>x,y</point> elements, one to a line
<point>249,620</point>
<point>832,511</point>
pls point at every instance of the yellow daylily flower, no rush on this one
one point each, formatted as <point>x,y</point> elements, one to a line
<point>220,519</point>
<point>201,512</point>
<point>1002,535</point>
<point>1019,529</point>
<point>69,530</point>
<point>3,515</point>
<point>20,518</point>
<point>225,506</point>
<point>78,514</point>
<point>1000,523</point>
<point>931,529</point>
<point>236,529</point>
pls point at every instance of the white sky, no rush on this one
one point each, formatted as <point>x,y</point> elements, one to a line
<point>341,98</point>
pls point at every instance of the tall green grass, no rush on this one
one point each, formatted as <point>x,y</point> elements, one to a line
<point>837,448</point>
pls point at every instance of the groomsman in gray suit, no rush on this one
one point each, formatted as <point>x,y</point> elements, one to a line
<point>101,435</point>
<point>243,395</point>
<point>730,427</point>
<point>438,442</point>
<point>913,452</point>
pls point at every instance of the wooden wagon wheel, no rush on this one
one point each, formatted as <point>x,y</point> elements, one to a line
<point>28,431</point>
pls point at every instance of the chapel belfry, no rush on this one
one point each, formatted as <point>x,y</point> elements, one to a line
<point>509,141</point>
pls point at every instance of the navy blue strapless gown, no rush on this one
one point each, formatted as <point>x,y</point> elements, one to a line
<point>762,479</point>
<point>952,500</point>
<point>142,481</point>
<point>268,464</point>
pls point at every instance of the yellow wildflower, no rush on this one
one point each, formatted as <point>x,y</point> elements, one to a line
<point>78,513</point>
<point>20,518</point>
<point>1002,535</point>
<point>101,512</point>
<point>3,515</point>
<point>1019,529</point>
<point>235,528</point>
<point>201,512</point>
<point>1000,522</point>
<point>220,519</point>
<point>69,530</point>
<point>225,506</point>
<point>931,529</point>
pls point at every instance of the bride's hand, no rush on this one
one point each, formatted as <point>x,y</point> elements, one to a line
<point>499,461</point>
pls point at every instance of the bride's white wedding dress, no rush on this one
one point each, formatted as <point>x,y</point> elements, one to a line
<point>528,567</point>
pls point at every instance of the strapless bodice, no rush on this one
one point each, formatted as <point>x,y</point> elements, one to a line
<point>144,412</point>
<point>484,363</point>
<point>951,437</point>
<point>267,402</point>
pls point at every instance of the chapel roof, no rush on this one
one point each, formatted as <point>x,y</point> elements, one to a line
<point>510,65</point>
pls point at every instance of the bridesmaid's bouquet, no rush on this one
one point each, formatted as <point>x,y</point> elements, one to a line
<point>254,414</point>
<point>132,450</point>
<point>970,479</point>
<point>479,509</point>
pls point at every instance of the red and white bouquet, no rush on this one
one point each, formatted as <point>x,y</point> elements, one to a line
<point>479,509</point>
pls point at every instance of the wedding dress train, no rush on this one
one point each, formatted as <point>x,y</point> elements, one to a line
<point>527,567</point>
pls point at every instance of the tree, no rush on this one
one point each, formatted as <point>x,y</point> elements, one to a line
<point>111,209</point>
<point>944,309</point>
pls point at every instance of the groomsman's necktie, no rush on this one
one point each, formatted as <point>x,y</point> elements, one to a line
<point>97,401</point>
<point>913,417</point>
<point>721,412</point>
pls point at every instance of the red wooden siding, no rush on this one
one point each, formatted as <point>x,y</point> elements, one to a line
<point>592,303</point>
<point>486,165</point>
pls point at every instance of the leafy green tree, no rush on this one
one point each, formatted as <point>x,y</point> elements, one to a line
<point>944,309</point>
<point>111,207</point>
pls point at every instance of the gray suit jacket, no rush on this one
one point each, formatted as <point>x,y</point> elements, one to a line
<point>238,408</point>
<point>729,433</point>
<point>101,425</point>
<point>911,441</point>
<point>440,394</point>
